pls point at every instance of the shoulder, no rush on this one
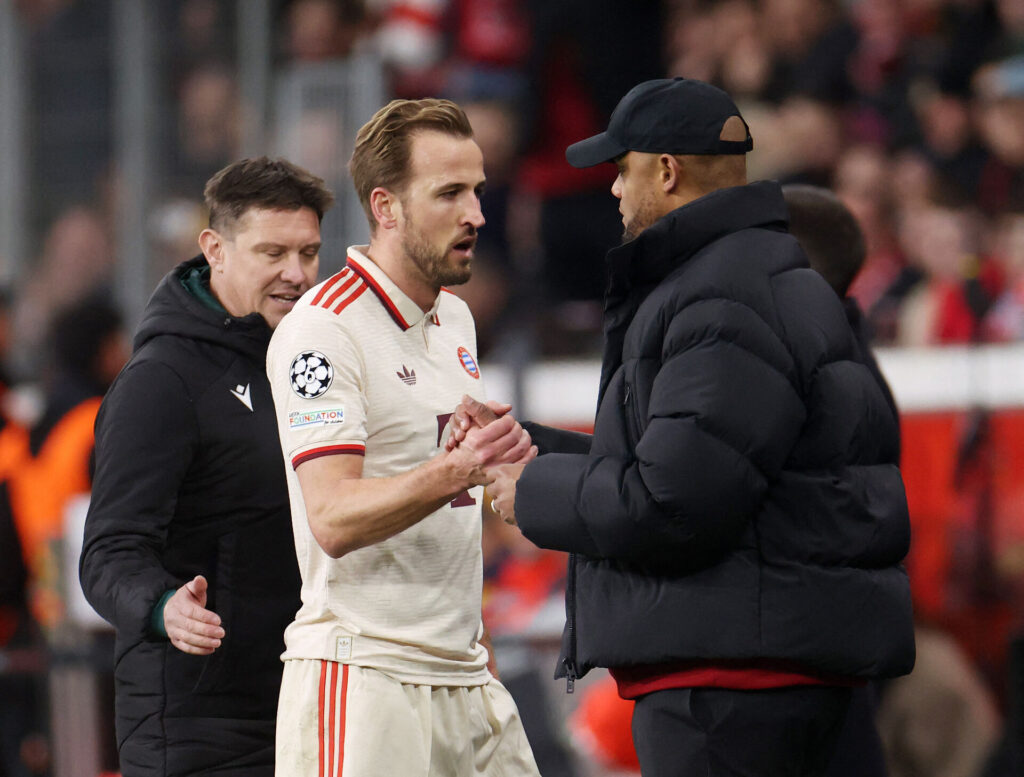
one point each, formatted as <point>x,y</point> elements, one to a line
<point>453,307</point>
<point>334,295</point>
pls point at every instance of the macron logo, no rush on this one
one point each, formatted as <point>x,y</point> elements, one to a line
<point>407,376</point>
<point>242,395</point>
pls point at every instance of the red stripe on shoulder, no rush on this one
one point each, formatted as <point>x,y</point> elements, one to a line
<point>351,298</point>
<point>390,306</point>
<point>329,300</point>
<point>327,450</point>
<point>328,285</point>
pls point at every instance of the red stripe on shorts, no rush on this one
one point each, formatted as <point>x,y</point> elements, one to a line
<point>330,719</point>
<point>344,706</point>
<point>320,714</point>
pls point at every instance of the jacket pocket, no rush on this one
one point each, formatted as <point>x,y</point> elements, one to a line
<point>631,405</point>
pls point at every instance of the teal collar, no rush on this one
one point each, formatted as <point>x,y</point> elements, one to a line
<point>197,282</point>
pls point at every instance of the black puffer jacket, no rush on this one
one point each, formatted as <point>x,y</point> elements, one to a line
<point>190,480</point>
<point>740,498</point>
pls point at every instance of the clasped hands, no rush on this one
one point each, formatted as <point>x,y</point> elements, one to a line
<point>502,473</point>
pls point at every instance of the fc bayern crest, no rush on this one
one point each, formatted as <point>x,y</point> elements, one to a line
<point>311,374</point>
<point>466,359</point>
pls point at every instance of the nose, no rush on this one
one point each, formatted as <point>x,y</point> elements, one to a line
<point>292,270</point>
<point>617,187</point>
<point>475,215</point>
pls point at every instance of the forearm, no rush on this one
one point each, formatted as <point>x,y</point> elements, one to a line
<point>356,512</point>
<point>123,580</point>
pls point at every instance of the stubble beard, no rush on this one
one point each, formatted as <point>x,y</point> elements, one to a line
<point>642,219</point>
<point>433,264</point>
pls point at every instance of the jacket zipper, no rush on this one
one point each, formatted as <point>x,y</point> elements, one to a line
<point>569,662</point>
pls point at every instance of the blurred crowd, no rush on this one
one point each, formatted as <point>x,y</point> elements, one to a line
<point>912,111</point>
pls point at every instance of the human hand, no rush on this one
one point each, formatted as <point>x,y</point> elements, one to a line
<point>501,441</point>
<point>472,413</point>
<point>502,488</point>
<point>189,625</point>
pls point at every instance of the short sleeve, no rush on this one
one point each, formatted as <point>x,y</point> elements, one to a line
<point>317,375</point>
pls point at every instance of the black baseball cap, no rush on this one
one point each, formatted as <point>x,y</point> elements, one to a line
<point>664,116</point>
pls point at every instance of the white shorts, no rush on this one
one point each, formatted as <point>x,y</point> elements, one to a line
<point>337,720</point>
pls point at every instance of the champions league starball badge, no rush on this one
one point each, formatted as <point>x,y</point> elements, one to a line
<point>311,374</point>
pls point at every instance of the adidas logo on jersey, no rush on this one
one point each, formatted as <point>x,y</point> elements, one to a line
<point>407,376</point>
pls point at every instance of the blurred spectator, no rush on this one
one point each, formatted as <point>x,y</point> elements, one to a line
<point>76,258</point>
<point>41,472</point>
<point>322,30</point>
<point>811,43</point>
<point>1005,321</point>
<point>948,287</point>
<point>201,35</point>
<point>862,182</point>
<point>207,126</point>
<point>949,141</point>
<point>88,348</point>
<point>583,57</point>
<point>940,720</point>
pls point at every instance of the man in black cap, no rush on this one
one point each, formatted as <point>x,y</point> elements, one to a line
<point>737,521</point>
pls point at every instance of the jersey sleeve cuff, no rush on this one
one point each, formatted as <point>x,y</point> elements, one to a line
<point>326,450</point>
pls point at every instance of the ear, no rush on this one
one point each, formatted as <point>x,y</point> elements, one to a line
<point>212,245</point>
<point>385,207</point>
<point>670,173</point>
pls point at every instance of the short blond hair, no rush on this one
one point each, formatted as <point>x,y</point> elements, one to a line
<point>382,147</point>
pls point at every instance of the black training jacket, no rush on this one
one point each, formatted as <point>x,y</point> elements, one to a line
<point>190,480</point>
<point>740,497</point>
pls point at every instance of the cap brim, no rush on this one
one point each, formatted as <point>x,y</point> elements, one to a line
<point>593,151</point>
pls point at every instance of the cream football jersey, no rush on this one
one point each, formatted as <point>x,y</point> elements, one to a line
<point>357,368</point>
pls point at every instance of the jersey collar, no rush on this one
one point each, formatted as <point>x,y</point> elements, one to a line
<point>398,304</point>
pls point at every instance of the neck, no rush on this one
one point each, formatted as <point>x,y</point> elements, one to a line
<point>405,275</point>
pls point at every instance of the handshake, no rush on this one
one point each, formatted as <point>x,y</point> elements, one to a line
<point>491,445</point>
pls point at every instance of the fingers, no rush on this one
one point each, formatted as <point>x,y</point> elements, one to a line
<point>197,587</point>
<point>482,414</point>
<point>470,413</point>
<point>519,449</point>
<point>503,491</point>
<point>190,626</point>
<point>498,408</point>
<point>501,441</point>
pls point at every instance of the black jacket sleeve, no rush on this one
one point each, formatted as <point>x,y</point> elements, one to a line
<point>146,435</point>
<point>717,423</point>
<point>548,439</point>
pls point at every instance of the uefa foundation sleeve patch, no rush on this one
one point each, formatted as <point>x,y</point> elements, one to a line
<point>311,374</point>
<point>326,417</point>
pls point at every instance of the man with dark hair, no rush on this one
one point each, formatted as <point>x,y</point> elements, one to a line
<point>188,550</point>
<point>834,244</point>
<point>737,521</point>
<point>387,667</point>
